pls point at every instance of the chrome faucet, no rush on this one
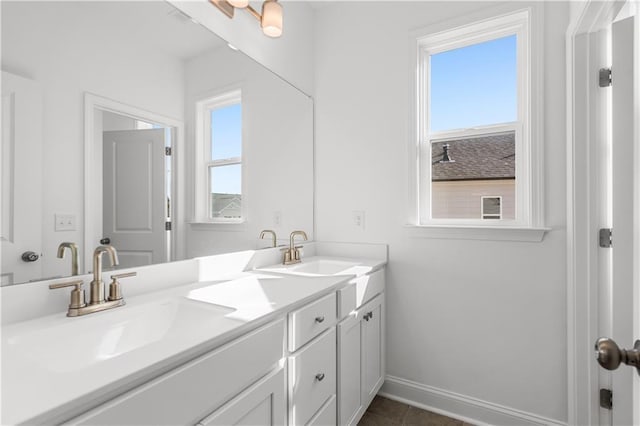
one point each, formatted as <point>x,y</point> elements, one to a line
<point>97,285</point>
<point>74,255</point>
<point>292,254</point>
<point>273,236</point>
<point>97,300</point>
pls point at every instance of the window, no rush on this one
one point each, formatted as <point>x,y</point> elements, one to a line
<point>491,207</point>
<point>219,121</point>
<point>474,132</point>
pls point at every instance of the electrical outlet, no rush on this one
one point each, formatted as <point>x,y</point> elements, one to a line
<point>65,222</point>
<point>277,219</point>
<point>358,219</point>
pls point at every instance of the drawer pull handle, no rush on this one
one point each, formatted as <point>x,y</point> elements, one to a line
<point>319,319</point>
<point>320,377</point>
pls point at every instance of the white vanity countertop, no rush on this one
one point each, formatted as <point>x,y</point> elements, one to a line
<point>322,266</point>
<point>107,353</point>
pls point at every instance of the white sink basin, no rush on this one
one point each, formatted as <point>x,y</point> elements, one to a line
<point>321,266</point>
<point>80,342</point>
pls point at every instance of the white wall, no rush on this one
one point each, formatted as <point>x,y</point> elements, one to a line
<point>277,131</point>
<point>290,55</point>
<point>50,52</point>
<point>485,320</point>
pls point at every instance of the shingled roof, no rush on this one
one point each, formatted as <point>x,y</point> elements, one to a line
<point>479,158</point>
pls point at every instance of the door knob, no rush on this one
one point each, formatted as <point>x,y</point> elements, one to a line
<point>29,256</point>
<point>610,356</point>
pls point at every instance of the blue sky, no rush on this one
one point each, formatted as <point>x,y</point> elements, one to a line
<point>226,135</point>
<point>226,132</point>
<point>474,85</point>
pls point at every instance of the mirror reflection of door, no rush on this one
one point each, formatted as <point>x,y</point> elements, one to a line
<point>136,196</point>
<point>21,222</point>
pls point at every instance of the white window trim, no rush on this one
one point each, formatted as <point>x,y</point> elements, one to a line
<point>203,155</point>
<point>475,28</point>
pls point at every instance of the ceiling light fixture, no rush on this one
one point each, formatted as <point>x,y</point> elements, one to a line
<point>270,19</point>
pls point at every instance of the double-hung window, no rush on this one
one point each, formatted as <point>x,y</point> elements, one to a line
<point>474,131</point>
<point>219,122</point>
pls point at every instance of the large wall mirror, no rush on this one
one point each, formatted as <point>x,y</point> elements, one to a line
<point>127,123</point>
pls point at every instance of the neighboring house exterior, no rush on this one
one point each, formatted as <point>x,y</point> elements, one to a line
<point>474,178</point>
<point>226,205</point>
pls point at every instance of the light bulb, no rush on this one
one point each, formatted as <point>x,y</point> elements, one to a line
<point>240,4</point>
<point>271,18</point>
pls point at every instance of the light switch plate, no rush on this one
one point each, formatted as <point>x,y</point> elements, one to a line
<point>277,219</point>
<point>65,222</point>
<point>358,219</point>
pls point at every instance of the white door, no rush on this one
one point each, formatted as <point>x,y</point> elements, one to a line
<point>626,211</point>
<point>625,287</point>
<point>21,223</point>
<point>134,198</point>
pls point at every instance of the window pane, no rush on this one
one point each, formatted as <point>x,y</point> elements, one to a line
<point>225,199</point>
<point>491,207</point>
<point>465,170</point>
<point>226,132</point>
<point>474,85</point>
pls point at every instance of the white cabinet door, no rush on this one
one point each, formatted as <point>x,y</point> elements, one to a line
<point>262,404</point>
<point>372,348</point>
<point>349,371</point>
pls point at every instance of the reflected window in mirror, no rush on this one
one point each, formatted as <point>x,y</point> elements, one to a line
<point>222,142</point>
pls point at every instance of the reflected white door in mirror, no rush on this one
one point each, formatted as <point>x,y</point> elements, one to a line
<point>133,195</point>
<point>21,221</point>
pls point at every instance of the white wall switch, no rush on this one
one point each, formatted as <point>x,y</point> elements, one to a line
<point>358,219</point>
<point>277,219</point>
<point>65,222</point>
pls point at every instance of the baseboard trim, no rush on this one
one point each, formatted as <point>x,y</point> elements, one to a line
<point>457,406</point>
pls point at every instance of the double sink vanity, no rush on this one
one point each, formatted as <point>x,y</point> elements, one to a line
<point>250,341</point>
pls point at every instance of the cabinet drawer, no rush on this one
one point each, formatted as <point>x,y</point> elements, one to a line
<point>312,377</point>
<point>327,414</point>
<point>311,320</point>
<point>368,286</point>
<point>347,297</point>
<point>188,393</point>
<point>359,291</point>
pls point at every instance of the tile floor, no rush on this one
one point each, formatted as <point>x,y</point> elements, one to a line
<point>385,412</point>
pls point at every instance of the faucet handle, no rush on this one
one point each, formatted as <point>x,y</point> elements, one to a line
<point>114,288</point>
<point>125,275</point>
<point>77,294</point>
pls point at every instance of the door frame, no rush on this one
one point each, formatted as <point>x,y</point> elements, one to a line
<point>584,101</point>
<point>93,170</point>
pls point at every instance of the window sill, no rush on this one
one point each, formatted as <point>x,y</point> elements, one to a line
<point>489,233</point>
<point>218,226</point>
